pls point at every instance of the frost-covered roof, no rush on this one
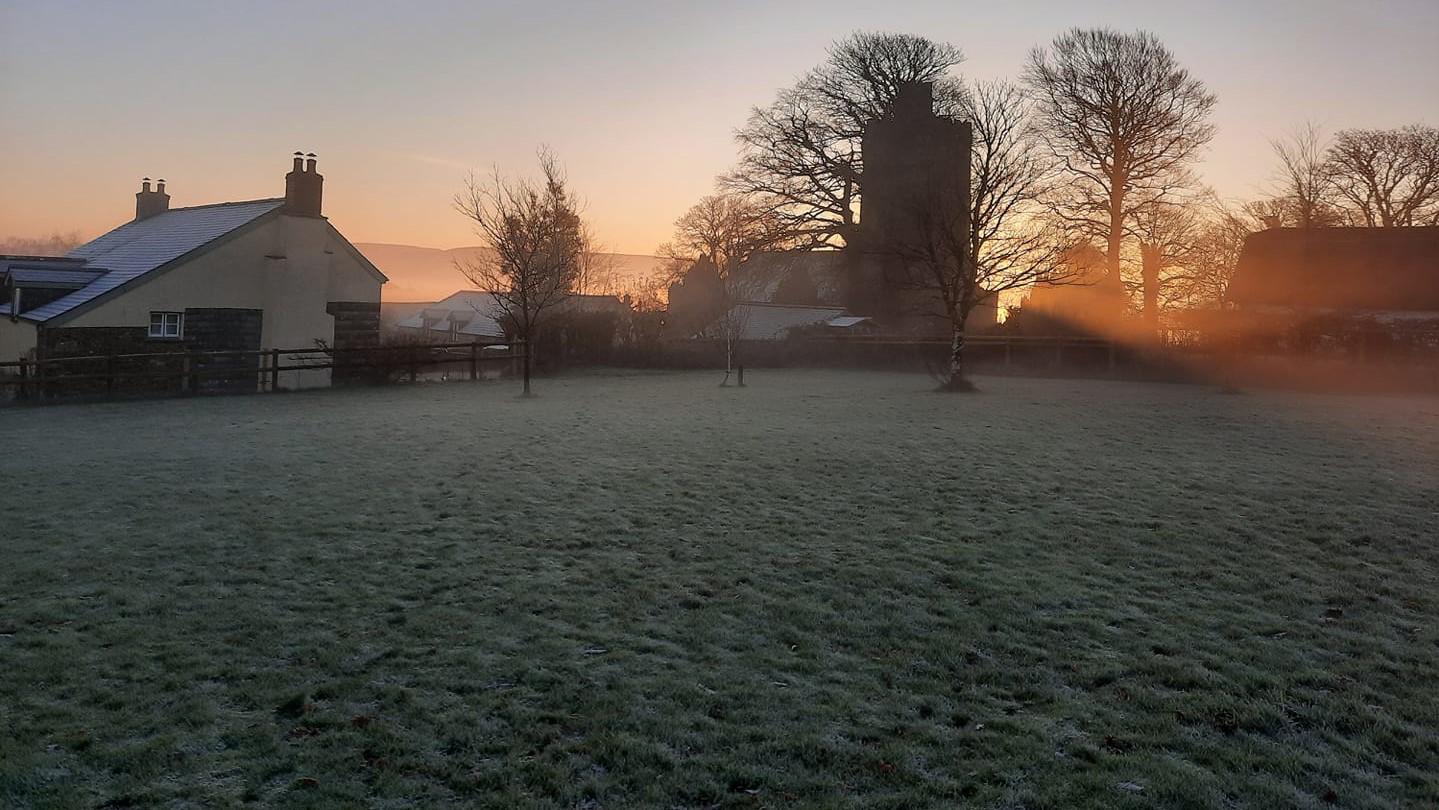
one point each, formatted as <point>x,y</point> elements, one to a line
<point>29,277</point>
<point>478,313</point>
<point>846,321</point>
<point>763,274</point>
<point>136,248</point>
<point>761,321</point>
<point>463,308</point>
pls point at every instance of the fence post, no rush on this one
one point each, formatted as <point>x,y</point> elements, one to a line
<point>24,378</point>
<point>110,376</point>
<point>474,361</point>
<point>274,370</point>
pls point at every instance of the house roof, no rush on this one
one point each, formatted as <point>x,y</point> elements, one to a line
<point>53,279</point>
<point>137,248</point>
<point>479,313</point>
<point>1383,269</point>
<point>11,262</point>
<point>761,321</point>
<point>475,313</point>
<point>848,321</point>
<point>763,273</point>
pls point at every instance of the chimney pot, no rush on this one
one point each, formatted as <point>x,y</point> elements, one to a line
<point>149,203</point>
<point>303,187</point>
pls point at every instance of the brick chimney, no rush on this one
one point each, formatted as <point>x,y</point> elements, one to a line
<point>149,203</point>
<point>303,187</point>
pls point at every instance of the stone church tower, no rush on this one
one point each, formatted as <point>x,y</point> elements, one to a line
<point>916,173</point>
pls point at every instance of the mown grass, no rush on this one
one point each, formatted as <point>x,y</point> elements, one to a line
<point>823,590</point>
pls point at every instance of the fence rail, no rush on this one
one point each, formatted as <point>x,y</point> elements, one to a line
<point>248,370</point>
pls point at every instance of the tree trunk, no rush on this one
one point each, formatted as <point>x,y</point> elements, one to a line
<point>1115,242</point>
<point>525,362</point>
<point>956,356</point>
<point>728,358</point>
<point>1151,257</point>
<point>957,381</point>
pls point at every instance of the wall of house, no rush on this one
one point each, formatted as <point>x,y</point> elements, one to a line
<point>291,268</point>
<point>17,339</point>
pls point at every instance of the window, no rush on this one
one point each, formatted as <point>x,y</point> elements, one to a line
<point>167,325</point>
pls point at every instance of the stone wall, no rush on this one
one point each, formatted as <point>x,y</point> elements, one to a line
<point>221,330</point>
<point>163,374</point>
<point>205,330</point>
<point>357,326</point>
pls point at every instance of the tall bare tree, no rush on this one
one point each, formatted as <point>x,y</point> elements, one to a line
<point>802,152</point>
<point>1124,118</point>
<point>1306,189</point>
<point>537,245</point>
<point>1388,177</point>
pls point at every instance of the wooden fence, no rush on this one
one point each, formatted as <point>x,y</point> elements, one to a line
<point>236,371</point>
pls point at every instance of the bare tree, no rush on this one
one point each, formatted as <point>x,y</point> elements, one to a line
<point>727,229</point>
<point>1167,231</point>
<point>1010,173</point>
<point>537,245</point>
<point>730,228</point>
<point>1202,278</point>
<point>597,274</point>
<point>1124,119</point>
<point>802,153</point>
<point>1002,241</point>
<point>1305,183</point>
<point>1388,177</point>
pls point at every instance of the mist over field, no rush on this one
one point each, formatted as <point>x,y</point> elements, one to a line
<point>429,274</point>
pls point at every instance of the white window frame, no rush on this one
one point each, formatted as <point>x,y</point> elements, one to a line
<point>167,325</point>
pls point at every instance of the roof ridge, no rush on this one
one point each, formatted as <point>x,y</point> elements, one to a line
<point>222,204</point>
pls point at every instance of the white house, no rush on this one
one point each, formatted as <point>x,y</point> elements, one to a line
<point>258,274</point>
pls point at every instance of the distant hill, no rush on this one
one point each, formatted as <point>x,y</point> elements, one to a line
<point>429,274</point>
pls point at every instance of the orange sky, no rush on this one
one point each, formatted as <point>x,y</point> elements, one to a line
<point>639,99</point>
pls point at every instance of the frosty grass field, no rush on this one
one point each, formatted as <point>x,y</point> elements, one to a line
<point>828,589</point>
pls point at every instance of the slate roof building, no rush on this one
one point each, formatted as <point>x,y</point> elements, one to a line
<point>1386,273</point>
<point>475,316</point>
<point>776,321</point>
<point>257,274</point>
